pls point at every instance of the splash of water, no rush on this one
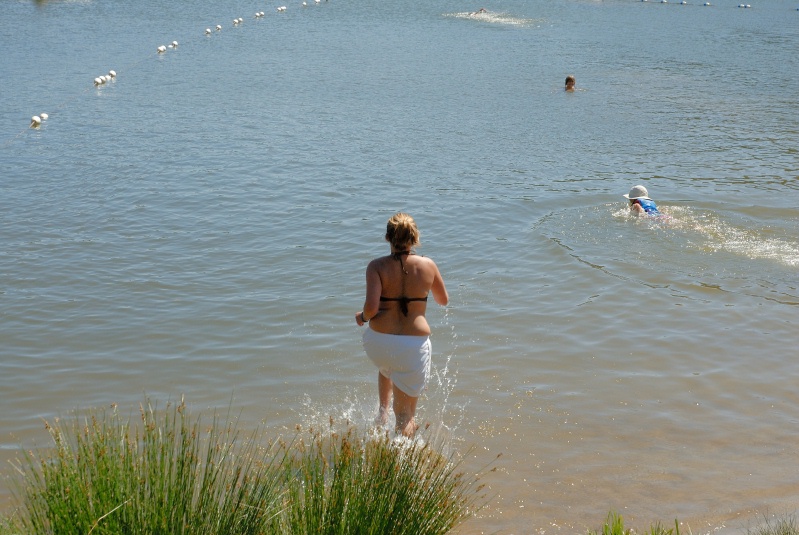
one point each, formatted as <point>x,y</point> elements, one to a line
<point>434,411</point>
<point>495,18</point>
<point>722,236</point>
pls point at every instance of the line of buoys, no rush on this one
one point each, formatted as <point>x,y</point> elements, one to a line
<point>37,120</point>
<point>105,78</point>
<point>683,3</point>
<point>174,44</point>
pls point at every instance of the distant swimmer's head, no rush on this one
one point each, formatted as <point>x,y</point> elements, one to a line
<point>637,192</point>
<point>401,232</point>
<point>570,82</point>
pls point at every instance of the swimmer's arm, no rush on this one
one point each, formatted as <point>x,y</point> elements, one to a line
<point>637,208</point>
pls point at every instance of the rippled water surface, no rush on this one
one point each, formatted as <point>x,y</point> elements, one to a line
<point>200,226</point>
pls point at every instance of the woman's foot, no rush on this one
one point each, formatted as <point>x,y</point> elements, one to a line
<point>382,417</point>
<point>408,429</point>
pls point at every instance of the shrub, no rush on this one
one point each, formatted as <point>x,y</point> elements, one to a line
<point>346,485</point>
<point>614,525</point>
<point>169,474</point>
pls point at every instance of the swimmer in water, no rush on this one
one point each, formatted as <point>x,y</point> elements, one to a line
<point>570,81</point>
<point>640,203</point>
<point>481,10</point>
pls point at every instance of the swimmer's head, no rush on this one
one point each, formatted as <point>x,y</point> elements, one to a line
<point>637,192</point>
<point>570,81</point>
<point>401,232</point>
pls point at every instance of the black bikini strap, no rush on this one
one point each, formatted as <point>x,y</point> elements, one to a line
<point>398,255</point>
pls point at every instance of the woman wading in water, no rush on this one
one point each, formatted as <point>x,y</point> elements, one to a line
<point>397,339</point>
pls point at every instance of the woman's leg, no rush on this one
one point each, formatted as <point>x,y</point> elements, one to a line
<point>384,388</point>
<point>404,411</point>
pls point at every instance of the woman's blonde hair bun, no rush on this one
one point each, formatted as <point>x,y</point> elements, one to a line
<point>401,231</point>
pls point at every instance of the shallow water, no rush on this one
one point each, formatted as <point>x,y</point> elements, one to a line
<point>200,225</point>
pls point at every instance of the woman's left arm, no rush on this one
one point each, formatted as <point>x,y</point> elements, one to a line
<point>438,288</point>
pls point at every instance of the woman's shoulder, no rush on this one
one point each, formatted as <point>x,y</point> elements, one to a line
<point>378,262</point>
<point>381,261</point>
<point>426,261</point>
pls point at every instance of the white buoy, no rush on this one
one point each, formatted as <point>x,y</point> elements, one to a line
<point>707,3</point>
<point>208,31</point>
<point>112,74</point>
<point>684,2</point>
<point>218,27</point>
<point>262,13</point>
<point>161,49</point>
<point>97,81</point>
<point>304,4</point>
<point>36,121</point>
<point>43,116</point>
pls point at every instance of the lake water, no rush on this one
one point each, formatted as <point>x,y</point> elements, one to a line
<point>200,226</point>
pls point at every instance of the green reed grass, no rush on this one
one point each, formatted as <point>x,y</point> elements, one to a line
<point>166,472</point>
<point>169,473</point>
<point>785,525</point>
<point>339,483</point>
<point>104,475</point>
<point>614,525</point>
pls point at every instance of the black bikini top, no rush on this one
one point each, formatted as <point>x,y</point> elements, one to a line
<point>403,300</point>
